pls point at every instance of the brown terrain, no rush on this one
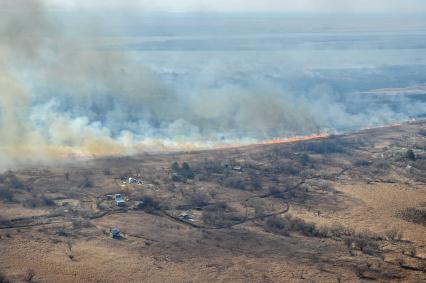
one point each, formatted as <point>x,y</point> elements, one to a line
<point>349,208</point>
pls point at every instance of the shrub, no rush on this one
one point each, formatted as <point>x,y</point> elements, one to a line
<point>175,167</point>
<point>287,169</point>
<point>47,201</point>
<point>288,223</point>
<point>277,225</point>
<point>63,232</point>
<point>221,218</point>
<point>422,132</point>
<point>6,194</point>
<point>410,155</point>
<point>210,166</point>
<point>87,183</point>
<point>186,171</point>
<point>414,215</point>
<point>29,275</point>
<point>324,146</point>
<point>393,235</point>
<point>275,191</point>
<point>411,251</point>
<point>181,174</point>
<point>255,182</point>
<point>38,201</point>
<point>149,204</point>
<point>220,215</point>
<point>235,182</point>
<point>14,182</point>
<point>304,159</point>
<point>221,206</point>
<point>199,200</point>
<point>361,163</point>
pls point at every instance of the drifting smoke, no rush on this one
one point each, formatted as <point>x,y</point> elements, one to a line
<point>62,95</point>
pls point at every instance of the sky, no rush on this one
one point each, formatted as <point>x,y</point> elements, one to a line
<point>322,6</point>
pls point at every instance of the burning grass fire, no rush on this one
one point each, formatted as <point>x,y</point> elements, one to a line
<point>295,139</point>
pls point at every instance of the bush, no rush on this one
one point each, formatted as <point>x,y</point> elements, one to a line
<point>6,194</point>
<point>220,206</point>
<point>422,132</point>
<point>186,171</point>
<point>87,183</point>
<point>361,163</point>
<point>63,232</point>
<point>181,174</point>
<point>287,169</point>
<point>235,182</point>
<point>414,215</point>
<point>175,167</point>
<point>29,275</point>
<point>220,215</point>
<point>277,225</point>
<point>47,201</point>
<point>275,191</point>
<point>324,146</point>
<point>149,204</point>
<point>304,159</point>
<point>410,155</point>
<point>255,182</point>
<point>411,251</point>
<point>393,235</point>
<point>38,201</point>
<point>199,200</point>
<point>288,223</point>
<point>14,182</point>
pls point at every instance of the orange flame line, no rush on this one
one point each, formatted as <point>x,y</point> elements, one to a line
<point>294,139</point>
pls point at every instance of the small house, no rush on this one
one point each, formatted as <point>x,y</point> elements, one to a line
<point>185,216</point>
<point>134,181</point>
<point>115,233</point>
<point>119,200</point>
<point>237,168</point>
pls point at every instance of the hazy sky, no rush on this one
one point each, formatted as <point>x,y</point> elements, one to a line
<point>364,6</point>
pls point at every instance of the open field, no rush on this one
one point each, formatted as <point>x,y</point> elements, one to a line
<point>346,208</point>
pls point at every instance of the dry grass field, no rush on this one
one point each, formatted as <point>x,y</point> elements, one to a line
<point>348,208</point>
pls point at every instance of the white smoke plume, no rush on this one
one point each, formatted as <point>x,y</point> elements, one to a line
<point>60,95</point>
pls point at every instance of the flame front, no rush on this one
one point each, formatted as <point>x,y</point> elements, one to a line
<point>294,139</point>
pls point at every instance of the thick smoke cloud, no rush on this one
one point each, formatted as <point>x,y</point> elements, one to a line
<point>64,92</point>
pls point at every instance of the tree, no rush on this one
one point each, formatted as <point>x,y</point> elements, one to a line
<point>175,167</point>
<point>186,171</point>
<point>410,155</point>
<point>149,204</point>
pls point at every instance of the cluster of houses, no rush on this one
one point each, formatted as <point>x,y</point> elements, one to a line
<point>120,201</point>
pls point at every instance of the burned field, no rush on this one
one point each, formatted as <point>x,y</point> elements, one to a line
<point>343,208</point>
